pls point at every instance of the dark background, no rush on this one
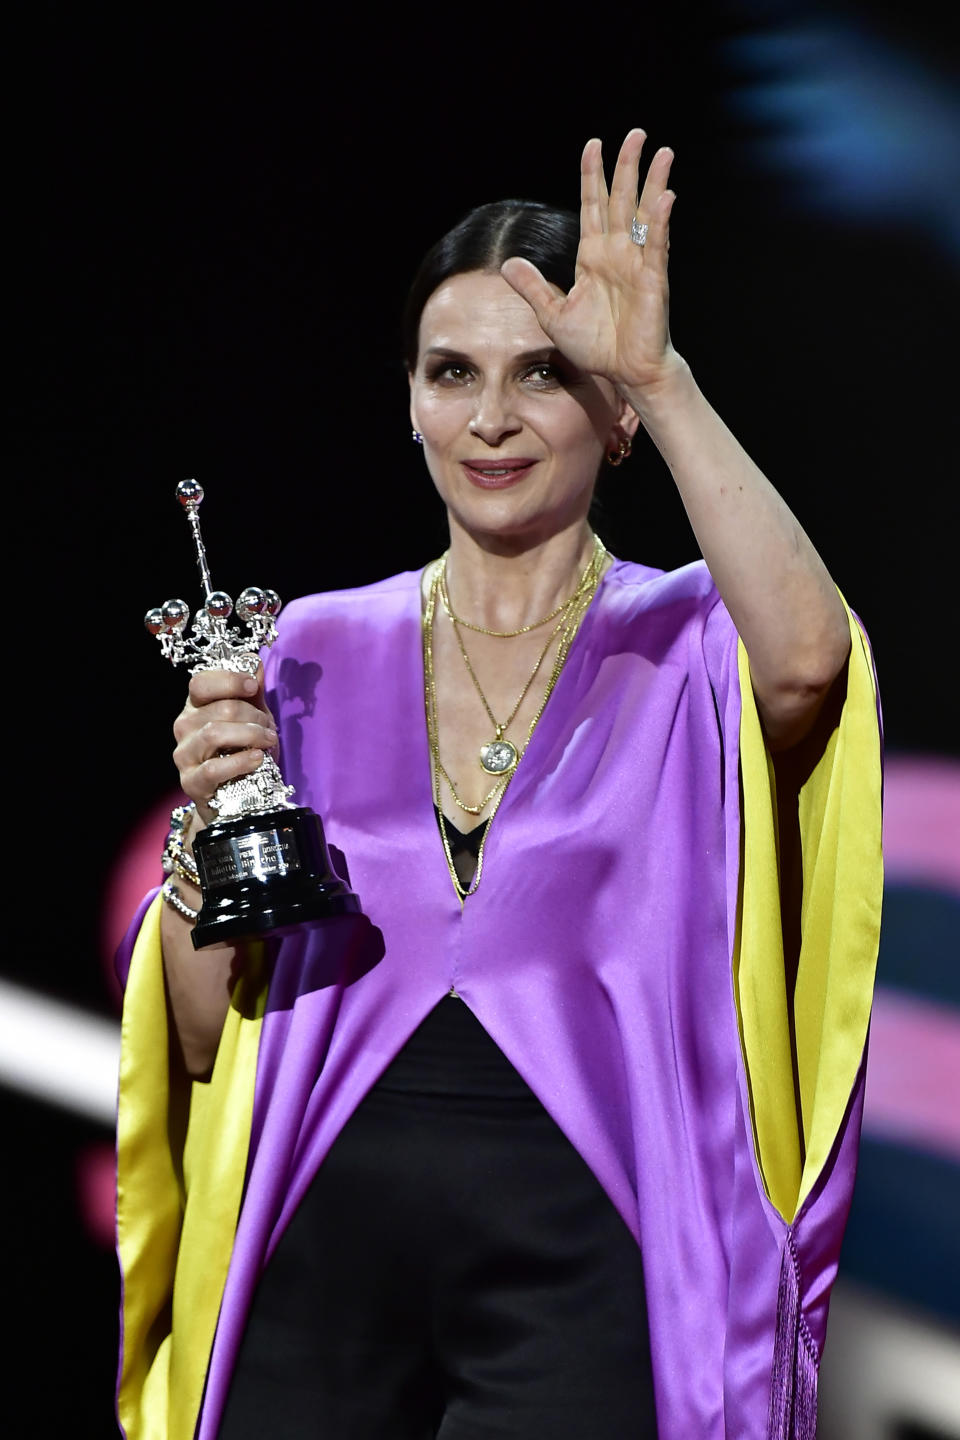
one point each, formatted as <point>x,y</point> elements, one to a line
<point>216,214</point>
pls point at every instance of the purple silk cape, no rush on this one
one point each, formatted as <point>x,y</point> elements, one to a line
<point>596,952</point>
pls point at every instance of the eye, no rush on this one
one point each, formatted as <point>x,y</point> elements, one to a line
<point>448,372</point>
<point>543,377</point>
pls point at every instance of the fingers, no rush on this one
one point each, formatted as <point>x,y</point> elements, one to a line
<point>213,699</point>
<point>593,191</point>
<point>221,733</point>
<point>208,685</point>
<point>658,238</point>
<point>653,210</point>
<point>200,735</point>
<point>623,190</point>
<point>215,752</point>
<point>201,782</point>
<point>542,297</point>
<point>654,186</point>
<point>599,212</point>
<point>656,245</point>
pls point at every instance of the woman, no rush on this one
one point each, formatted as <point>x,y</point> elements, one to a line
<point>584,960</point>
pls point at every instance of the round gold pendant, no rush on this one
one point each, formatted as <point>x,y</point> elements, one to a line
<point>498,756</point>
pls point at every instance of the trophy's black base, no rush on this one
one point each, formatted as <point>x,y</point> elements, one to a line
<point>266,874</point>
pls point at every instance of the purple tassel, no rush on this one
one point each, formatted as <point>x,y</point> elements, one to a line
<point>793,1382</point>
<point>805,1387</point>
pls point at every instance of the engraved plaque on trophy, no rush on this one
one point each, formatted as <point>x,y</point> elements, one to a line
<point>263,862</point>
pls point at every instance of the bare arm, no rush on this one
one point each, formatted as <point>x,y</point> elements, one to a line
<point>615,322</point>
<point>778,591</point>
<point>221,733</point>
<point>199,984</point>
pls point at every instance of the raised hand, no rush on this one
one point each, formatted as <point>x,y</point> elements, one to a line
<point>615,320</point>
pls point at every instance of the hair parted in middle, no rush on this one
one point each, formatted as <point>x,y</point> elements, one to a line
<point>482,240</point>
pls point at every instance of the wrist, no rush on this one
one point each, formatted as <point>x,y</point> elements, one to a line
<point>672,386</point>
<point>178,864</point>
<point>195,823</point>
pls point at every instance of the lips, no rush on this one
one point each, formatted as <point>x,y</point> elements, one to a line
<point>497,474</point>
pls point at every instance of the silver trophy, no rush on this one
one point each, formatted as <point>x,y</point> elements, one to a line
<point>263,862</point>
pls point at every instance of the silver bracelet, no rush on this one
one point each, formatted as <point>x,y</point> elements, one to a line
<point>172,896</point>
<point>176,858</point>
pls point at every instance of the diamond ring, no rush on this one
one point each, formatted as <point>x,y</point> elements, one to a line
<point>638,232</point>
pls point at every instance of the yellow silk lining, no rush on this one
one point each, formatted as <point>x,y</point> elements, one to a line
<point>175,1253</point>
<point>800,1077</point>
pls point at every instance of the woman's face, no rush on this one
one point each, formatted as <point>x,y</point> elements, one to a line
<point>513,434</point>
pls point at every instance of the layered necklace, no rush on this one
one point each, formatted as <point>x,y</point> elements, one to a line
<point>498,756</point>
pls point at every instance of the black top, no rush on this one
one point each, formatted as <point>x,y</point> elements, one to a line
<point>464,848</point>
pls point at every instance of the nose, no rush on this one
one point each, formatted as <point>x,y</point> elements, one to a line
<point>494,419</point>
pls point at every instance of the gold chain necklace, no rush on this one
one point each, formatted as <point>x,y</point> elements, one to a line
<point>431,700</point>
<point>584,594</point>
<point>498,634</point>
<point>499,756</point>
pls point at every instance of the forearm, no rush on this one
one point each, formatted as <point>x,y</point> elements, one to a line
<point>778,591</point>
<point>222,733</point>
<point>199,983</point>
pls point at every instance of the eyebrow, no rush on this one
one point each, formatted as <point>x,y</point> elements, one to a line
<point>526,357</point>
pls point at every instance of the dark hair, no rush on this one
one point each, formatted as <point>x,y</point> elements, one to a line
<point>485,238</point>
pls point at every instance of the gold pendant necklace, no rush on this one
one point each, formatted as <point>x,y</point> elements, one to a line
<point>499,756</point>
<point>575,609</point>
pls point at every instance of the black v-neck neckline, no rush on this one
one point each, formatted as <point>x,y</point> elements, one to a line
<point>460,840</point>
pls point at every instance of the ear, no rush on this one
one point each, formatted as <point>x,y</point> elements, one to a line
<point>627,421</point>
<point>413,417</point>
<point>621,435</point>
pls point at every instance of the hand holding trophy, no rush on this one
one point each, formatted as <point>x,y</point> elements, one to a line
<point>263,863</point>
